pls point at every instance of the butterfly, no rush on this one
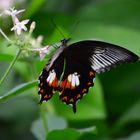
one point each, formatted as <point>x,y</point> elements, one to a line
<point>72,68</point>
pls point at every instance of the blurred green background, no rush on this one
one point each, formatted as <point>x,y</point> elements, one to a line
<point>111,111</point>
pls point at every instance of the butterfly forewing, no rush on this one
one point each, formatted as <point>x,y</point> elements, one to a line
<point>99,55</point>
<point>49,79</point>
<point>45,88</point>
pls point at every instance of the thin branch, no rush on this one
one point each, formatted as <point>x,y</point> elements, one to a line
<point>10,67</point>
<point>44,119</point>
<point>5,36</point>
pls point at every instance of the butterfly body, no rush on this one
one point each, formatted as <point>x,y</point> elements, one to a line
<point>71,70</point>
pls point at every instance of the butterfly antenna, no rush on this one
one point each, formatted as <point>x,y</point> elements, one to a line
<point>58,29</point>
<point>55,46</point>
<point>74,27</point>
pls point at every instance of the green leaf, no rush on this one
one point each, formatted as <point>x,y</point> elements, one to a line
<point>93,102</point>
<point>89,129</point>
<point>6,57</point>
<point>134,136</point>
<point>132,115</point>
<point>54,123</point>
<point>101,12</point>
<point>38,129</point>
<point>24,68</point>
<point>19,108</point>
<point>33,7</point>
<point>18,90</point>
<point>66,134</point>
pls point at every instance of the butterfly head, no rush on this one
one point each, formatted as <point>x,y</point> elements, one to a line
<point>65,41</point>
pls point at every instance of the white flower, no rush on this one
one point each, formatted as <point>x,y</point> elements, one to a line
<point>43,52</point>
<point>19,26</point>
<point>13,12</point>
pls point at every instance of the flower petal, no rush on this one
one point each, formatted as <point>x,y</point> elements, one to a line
<point>12,28</point>
<point>20,11</point>
<point>24,21</point>
<point>13,12</point>
<point>18,31</point>
<point>8,12</point>
<point>19,26</point>
<point>24,28</point>
<point>16,20</point>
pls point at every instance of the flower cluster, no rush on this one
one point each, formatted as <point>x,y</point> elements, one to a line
<point>19,27</point>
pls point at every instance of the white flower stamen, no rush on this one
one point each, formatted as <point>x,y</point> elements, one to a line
<point>43,52</point>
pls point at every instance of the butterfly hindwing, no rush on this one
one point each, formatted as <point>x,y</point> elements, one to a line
<point>76,82</point>
<point>49,79</point>
<point>48,83</point>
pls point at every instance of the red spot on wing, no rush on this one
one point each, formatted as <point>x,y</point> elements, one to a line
<point>63,84</point>
<point>41,84</point>
<point>65,98</point>
<point>71,100</point>
<point>84,90</point>
<point>66,84</point>
<point>78,96</point>
<point>47,97</point>
<point>54,83</point>
<point>89,83</point>
<point>41,91</point>
<point>91,73</point>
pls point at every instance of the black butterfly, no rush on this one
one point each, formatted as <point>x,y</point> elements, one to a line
<point>72,68</point>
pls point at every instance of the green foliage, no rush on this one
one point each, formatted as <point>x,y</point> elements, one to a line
<point>33,7</point>
<point>18,90</point>
<point>110,111</point>
<point>68,134</point>
<point>54,123</point>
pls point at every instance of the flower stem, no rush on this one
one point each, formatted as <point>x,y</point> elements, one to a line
<point>10,67</point>
<point>5,36</point>
<point>44,119</point>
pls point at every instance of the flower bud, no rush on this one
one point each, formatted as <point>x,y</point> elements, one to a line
<point>32,27</point>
